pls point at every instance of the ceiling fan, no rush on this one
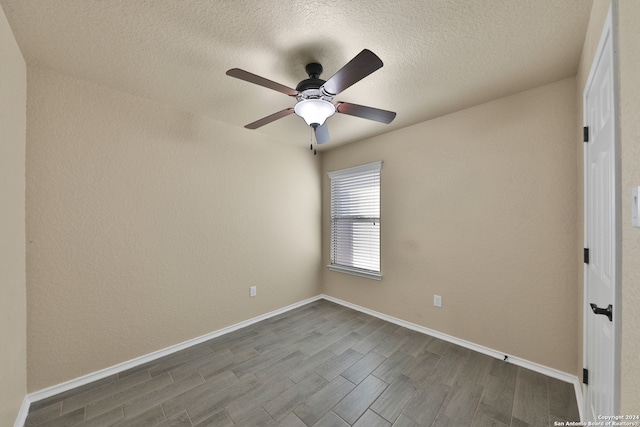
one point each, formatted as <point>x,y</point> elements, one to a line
<point>315,96</point>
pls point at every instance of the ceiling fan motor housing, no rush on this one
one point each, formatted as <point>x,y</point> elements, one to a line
<point>314,81</point>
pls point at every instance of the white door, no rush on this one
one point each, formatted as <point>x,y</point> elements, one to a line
<point>601,226</point>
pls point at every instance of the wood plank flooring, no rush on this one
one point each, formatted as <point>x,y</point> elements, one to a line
<point>319,365</point>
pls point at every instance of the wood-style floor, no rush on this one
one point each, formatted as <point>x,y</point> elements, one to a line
<point>319,365</point>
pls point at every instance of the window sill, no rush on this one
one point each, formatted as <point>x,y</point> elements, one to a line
<point>355,272</point>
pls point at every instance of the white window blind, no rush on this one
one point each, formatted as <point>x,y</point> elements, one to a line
<point>355,220</point>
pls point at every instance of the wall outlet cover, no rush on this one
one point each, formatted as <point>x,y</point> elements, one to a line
<point>437,300</point>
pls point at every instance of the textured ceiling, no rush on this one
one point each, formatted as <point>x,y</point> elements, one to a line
<point>440,55</point>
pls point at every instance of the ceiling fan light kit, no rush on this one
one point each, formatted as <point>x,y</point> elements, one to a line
<point>314,111</point>
<point>315,96</point>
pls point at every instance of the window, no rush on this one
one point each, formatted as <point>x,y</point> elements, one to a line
<point>355,220</point>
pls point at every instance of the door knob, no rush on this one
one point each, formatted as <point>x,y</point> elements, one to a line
<point>606,311</point>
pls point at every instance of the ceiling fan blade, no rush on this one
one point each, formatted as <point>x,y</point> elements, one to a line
<point>252,78</point>
<point>322,133</point>
<point>364,63</point>
<point>370,113</point>
<point>273,117</point>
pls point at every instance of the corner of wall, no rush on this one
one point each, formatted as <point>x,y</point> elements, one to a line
<point>13,374</point>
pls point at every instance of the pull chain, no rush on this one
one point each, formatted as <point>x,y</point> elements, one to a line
<point>315,153</point>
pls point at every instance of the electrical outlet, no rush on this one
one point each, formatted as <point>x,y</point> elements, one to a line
<point>437,300</point>
<point>252,291</point>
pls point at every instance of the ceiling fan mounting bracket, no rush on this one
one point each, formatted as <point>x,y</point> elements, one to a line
<point>313,82</point>
<point>313,70</point>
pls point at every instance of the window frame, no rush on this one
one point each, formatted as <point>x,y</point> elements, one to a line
<point>350,172</point>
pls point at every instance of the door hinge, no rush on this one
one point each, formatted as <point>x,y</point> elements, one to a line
<point>586,255</point>
<point>585,376</point>
<point>585,133</point>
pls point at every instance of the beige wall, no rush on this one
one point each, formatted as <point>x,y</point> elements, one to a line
<point>146,226</point>
<point>629,64</point>
<point>13,318</point>
<point>478,206</point>
<point>629,47</point>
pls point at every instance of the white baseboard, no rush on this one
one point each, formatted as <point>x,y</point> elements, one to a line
<point>545,370</point>
<point>24,411</point>
<point>103,373</point>
<point>579,398</point>
<point>94,376</point>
